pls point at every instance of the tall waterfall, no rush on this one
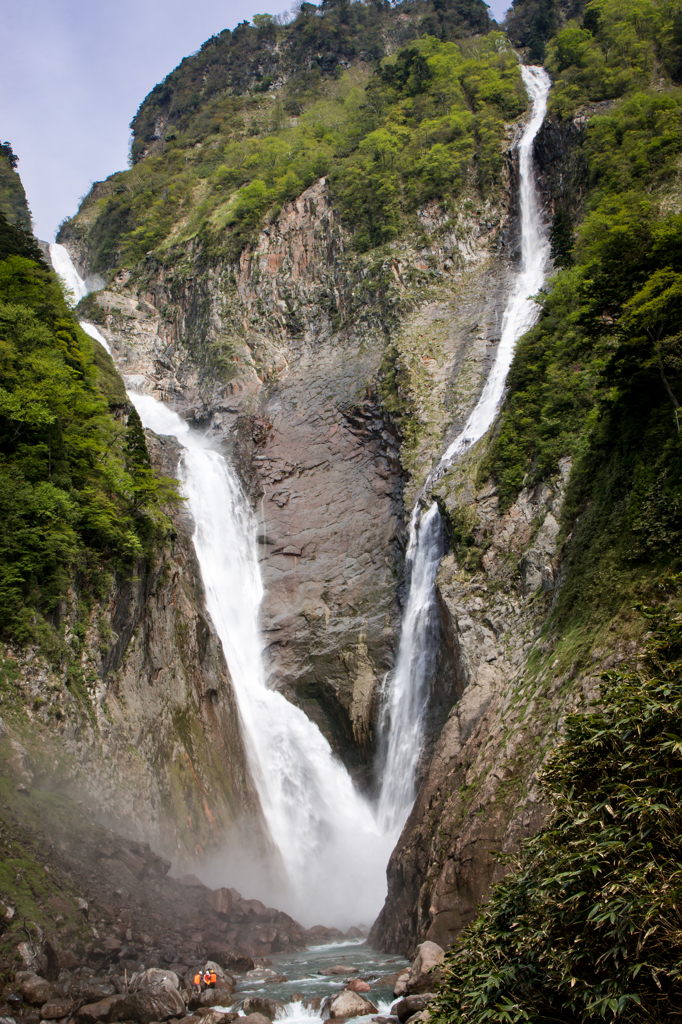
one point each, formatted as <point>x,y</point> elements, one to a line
<point>406,698</point>
<point>332,850</point>
<point>333,846</point>
<point>333,854</point>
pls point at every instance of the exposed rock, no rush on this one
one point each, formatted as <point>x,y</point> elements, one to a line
<point>410,1005</point>
<point>312,1003</point>
<point>100,1012</point>
<point>96,989</point>
<point>221,901</point>
<point>424,974</point>
<point>348,1004</point>
<point>55,1009</point>
<point>340,969</point>
<point>230,959</point>
<point>400,988</point>
<point>358,985</point>
<point>146,1006</point>
<point>222,996</point>
<point>270,1008</point>
<point>33,989</point>
<point>221,974</point>
<point>254,1018</point>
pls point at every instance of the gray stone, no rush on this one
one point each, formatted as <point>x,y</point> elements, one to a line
<point>270,1008</point>
<point>55,1009</point>
<point>349,1004</point>
<point>34,990</point>
<point>100,1012</point>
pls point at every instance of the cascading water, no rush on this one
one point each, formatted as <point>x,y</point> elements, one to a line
<point>326,832</point>
<point>406,698</point>
<point>73,282</point>
<point>332,851</point>
<point>333,847</point>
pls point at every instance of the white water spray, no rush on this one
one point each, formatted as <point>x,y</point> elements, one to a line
<point>406,701</point>
<point>332,850</point>
<point>73,282</point>
<point>326,832</point>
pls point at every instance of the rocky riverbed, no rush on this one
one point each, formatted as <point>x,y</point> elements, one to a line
<point>95,930</point>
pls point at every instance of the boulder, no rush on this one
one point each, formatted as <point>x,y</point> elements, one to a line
<point>254,1018</point>
<point>95,989</point>
<point>230,959</point>
<point>401,984</point>
<point>312,1003</point>
<point>424,974</point>
<point>155,980</point>
<point>269,1008</point>
<point>146,1006</point>
<point>348,1004</point>
<point>100,1012</point>
<point>210,1016</point>
<point>261,973</point>
<point>221,973</point>
<point>55,1009</point>
<point>410,1005</point>
<point>358,985</point>
<point>339,969</point>
<point>212,997</point>
<point>278,979</point>
<point>221,901</point>
<point>33,989</point>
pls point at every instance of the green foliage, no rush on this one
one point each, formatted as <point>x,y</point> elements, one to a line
<point>13,203</point>
<point>614,52</point>
<point>427,124</point>
<point>532,23</point>
<point>589,924</point>
<point>75,486</point>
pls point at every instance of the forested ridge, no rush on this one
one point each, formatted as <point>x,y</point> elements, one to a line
<point>427,121</point>
<point>79,501</point>
<point>587,925</point>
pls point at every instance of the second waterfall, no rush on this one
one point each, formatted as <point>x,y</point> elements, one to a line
<point>408,690</point>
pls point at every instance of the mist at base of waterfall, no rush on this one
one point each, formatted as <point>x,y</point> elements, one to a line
<point>329,853</point>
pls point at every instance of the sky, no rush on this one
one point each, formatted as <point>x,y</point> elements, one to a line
<point>74,73</point>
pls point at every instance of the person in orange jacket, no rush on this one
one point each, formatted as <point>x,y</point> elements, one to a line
<point>214,980</point>
<point>207,978</point>
<point>197,982</point>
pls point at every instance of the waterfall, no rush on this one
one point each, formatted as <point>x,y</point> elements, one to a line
<point>404,705</point>
<point>73,282</point>
<point>326,832</point>
<point>405,702</point>
<point>333,845</point>
<point>333,853</point>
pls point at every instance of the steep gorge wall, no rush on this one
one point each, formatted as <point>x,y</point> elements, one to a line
<point>334,381</point>
<point>149,736</point>
<point>288,360</point>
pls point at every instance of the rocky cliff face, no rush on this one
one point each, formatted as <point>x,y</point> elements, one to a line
<point>334,381</point>
<point>288,360</point>
<point>147,731</point>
